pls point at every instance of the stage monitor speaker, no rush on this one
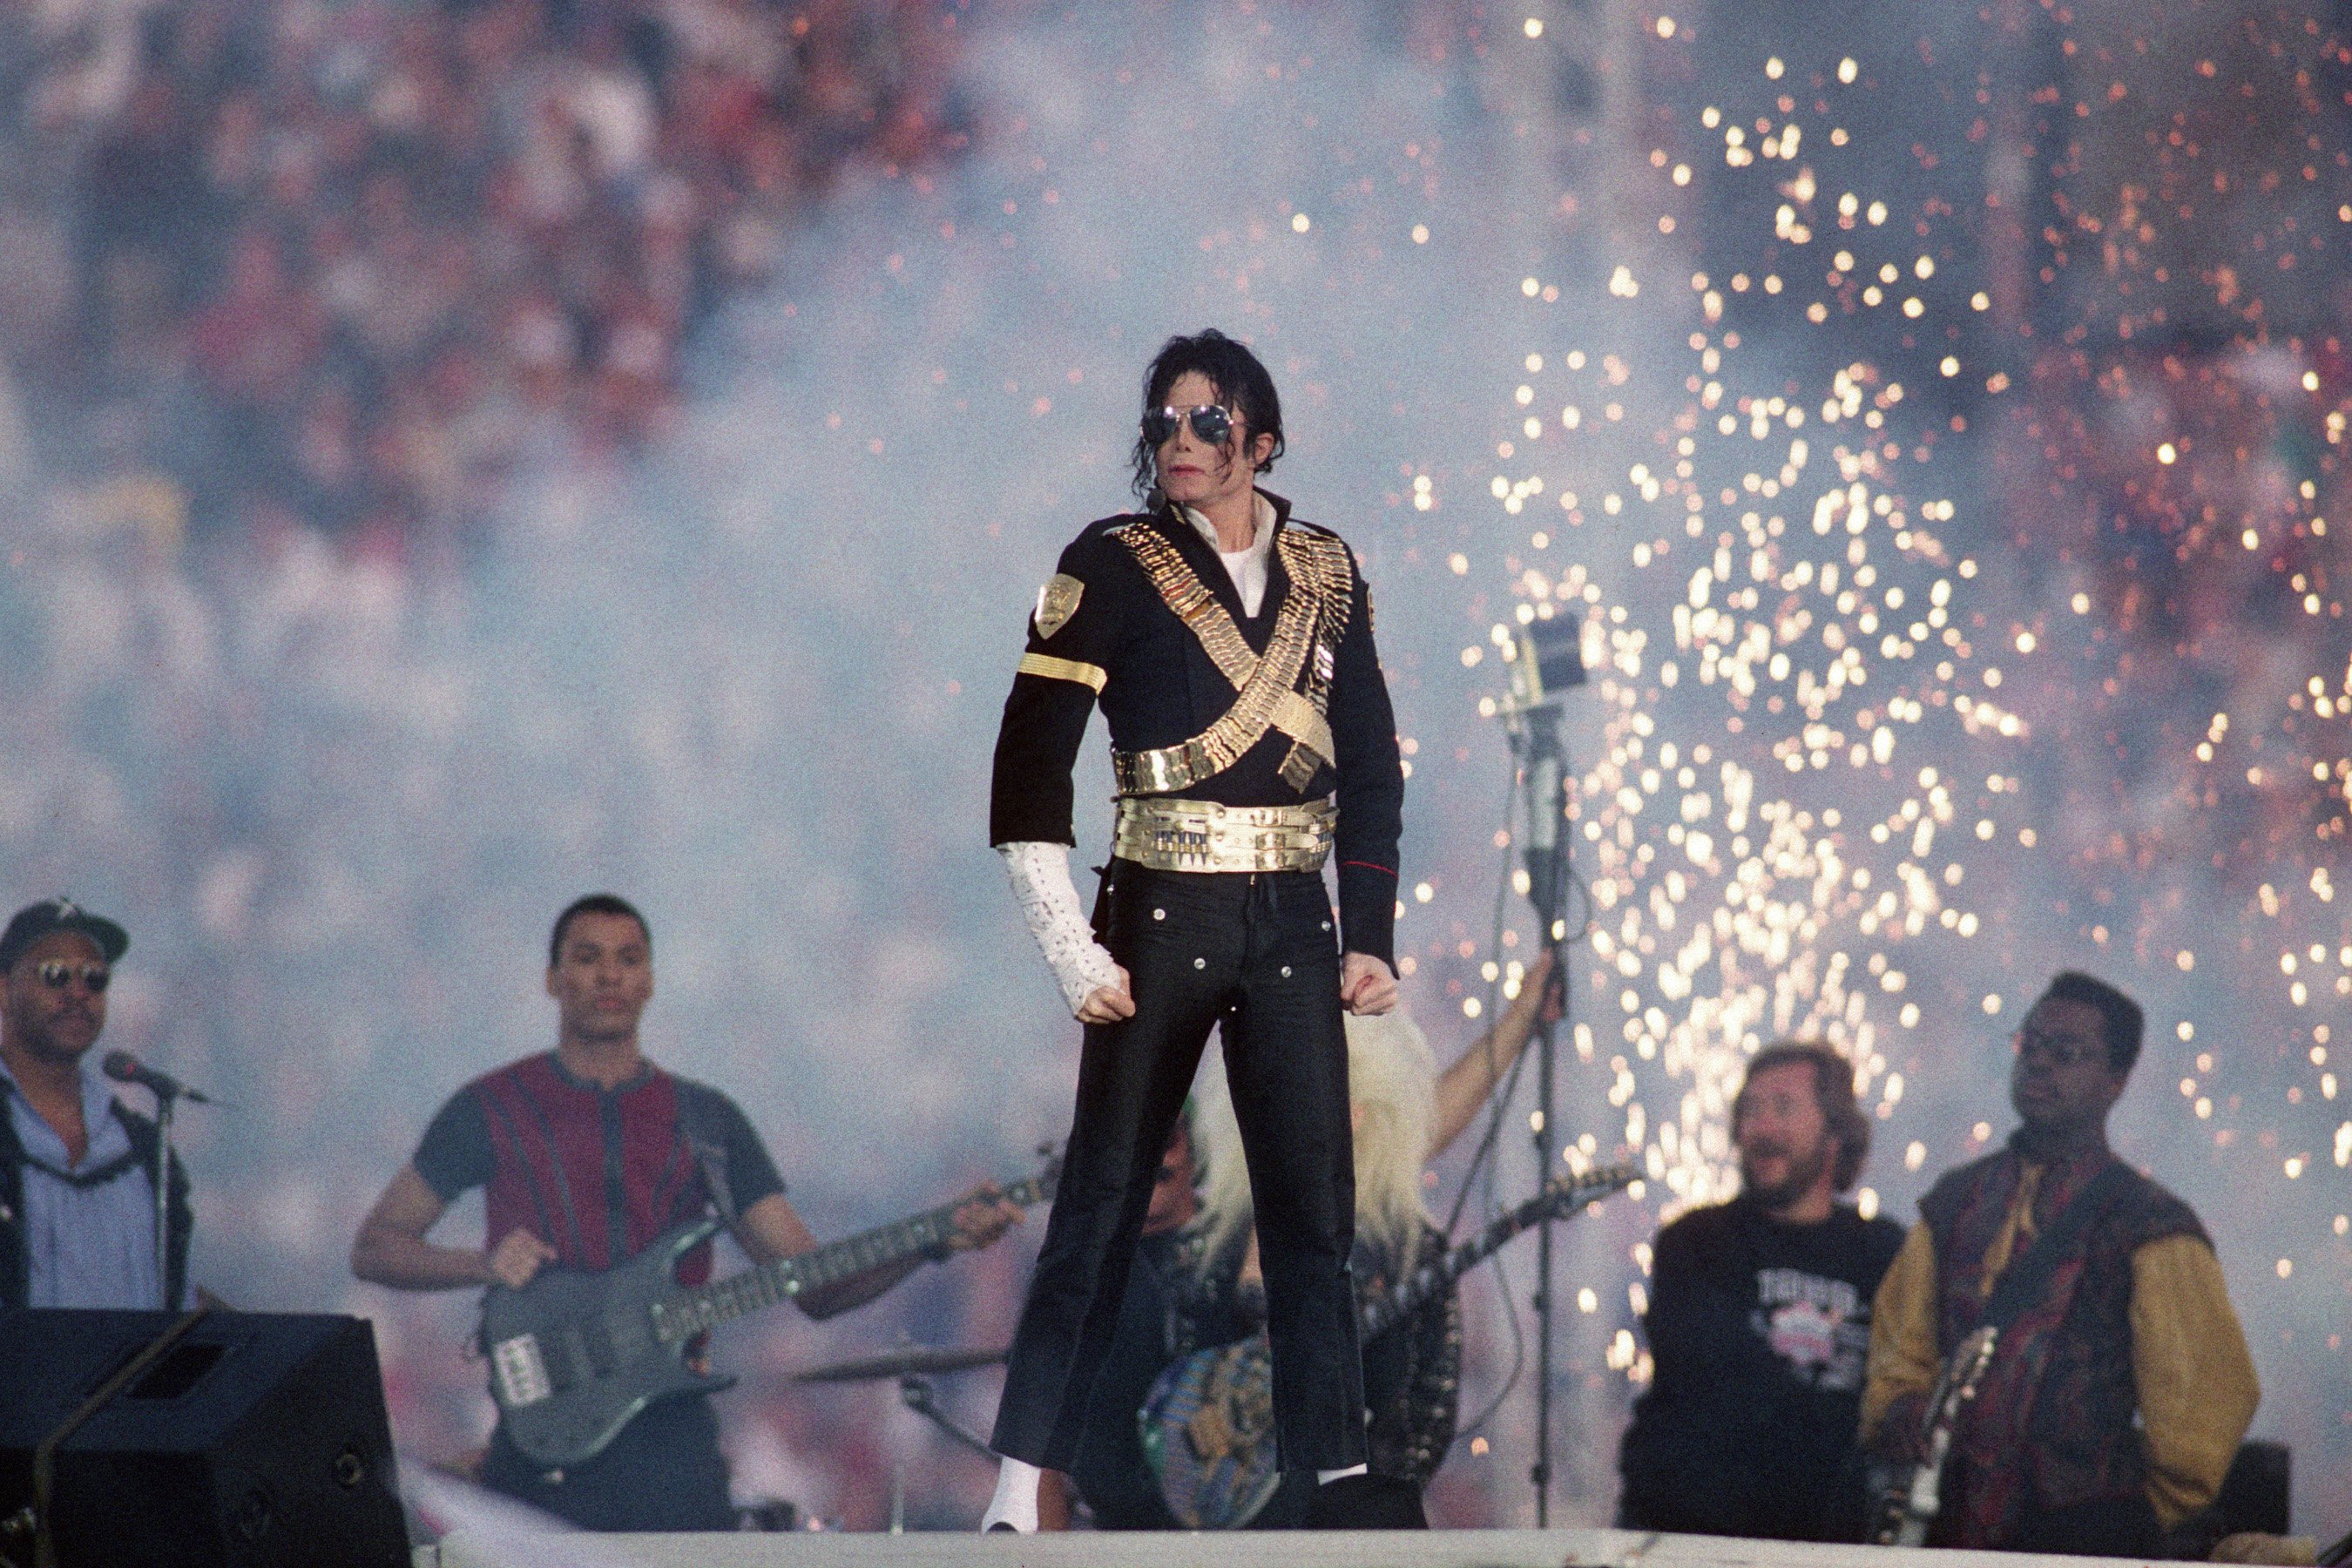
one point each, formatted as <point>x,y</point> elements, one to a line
<point>257,1440</point>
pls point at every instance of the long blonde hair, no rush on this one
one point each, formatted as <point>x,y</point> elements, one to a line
<point>1392,1083</point>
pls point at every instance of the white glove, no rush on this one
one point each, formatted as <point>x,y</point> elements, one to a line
<point>1040,874</point>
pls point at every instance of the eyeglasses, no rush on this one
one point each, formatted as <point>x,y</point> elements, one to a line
<point>1212,423</point>
<point>56,974</point>
<point>2058,1050</point>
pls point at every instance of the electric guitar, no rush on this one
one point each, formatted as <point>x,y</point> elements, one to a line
<point>1207,1424</point>
<point>1905,1512</point>
<point>574,1355</point>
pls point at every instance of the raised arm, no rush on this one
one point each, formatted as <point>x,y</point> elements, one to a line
<point>1465,1086</point>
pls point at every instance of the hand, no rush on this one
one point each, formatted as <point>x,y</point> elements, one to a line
<point>1554,1003</point>
<point>1366,987</point>
<point>984,1215</point>
<point>518,1256</point>
<point>1899,1440</point>
<point>1108,1004</point>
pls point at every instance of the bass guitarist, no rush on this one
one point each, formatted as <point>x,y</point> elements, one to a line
<point>587,1154</point>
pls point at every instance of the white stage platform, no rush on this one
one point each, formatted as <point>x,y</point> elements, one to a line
<point>1336,1549</point>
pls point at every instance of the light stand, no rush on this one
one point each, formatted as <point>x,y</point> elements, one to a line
<point>1549,661</point>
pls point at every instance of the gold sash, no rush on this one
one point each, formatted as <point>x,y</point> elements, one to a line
<point>1287,689</point>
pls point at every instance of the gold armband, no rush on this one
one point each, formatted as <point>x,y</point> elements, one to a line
<point>1051,668</point>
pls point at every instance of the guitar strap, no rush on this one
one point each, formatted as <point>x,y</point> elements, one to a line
<point>698,1125</point>
<point>2021,1283</point>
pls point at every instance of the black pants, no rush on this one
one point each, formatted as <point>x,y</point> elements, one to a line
<point>1258,955</point>
<point>662,1472</point>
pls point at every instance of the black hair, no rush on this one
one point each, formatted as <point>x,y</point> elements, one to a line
<point>1241,382</point>
<point>593,904</point>
<point>2124,1020</point>
<point>1832,1090</point>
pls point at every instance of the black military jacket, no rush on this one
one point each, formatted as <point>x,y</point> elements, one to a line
<point>1159,687</point>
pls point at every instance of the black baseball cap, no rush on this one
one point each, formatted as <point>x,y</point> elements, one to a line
<point>33,922</point>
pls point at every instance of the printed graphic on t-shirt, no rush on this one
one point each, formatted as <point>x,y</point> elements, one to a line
<point>1818,1327</point>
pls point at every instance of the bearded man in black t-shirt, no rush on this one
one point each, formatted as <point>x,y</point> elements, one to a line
<point>1760,1324</point>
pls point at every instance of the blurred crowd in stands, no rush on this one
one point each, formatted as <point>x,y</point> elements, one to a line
<point>2176,478</point>
<point>342,264</point>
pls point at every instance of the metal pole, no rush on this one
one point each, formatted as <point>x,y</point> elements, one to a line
<point>1542,1474</point>
<point>163,1103</point>
<point>1545,765</point>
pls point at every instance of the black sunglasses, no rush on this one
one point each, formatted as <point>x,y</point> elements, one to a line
<point>1212,423</point>
<point>56,974</point>
<point>2058,1050</point>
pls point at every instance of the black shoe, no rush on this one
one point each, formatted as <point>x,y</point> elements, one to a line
<point>1366,1503</point>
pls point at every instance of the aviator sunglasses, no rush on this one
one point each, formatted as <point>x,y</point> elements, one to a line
<point>1209,422</point>
<point>56,974</point>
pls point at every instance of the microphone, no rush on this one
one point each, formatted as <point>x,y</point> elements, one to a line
<point>124,1068</point>
<point>1546,806</point>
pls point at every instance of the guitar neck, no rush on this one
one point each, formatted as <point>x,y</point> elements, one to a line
<point>1564,1195</point>
<point>770,1284</point>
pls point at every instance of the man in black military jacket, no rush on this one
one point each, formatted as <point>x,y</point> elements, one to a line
<point>1231,647</point>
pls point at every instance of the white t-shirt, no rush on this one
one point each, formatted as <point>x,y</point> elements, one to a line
<point>1246,567</point>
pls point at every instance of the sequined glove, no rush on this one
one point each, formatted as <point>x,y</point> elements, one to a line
<point>1040,873</point>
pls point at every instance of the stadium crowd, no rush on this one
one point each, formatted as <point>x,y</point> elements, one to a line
<point>341,265</point>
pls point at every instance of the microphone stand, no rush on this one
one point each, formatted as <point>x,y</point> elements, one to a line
<point>1543,770</point>
<point>166,1101</point>
<point>163,1106</point>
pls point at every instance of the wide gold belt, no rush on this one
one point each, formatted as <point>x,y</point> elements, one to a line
<point>1201,836</point>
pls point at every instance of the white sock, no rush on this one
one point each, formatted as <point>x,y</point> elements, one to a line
<point>1015,1502</point>
<point>1321,1476</point>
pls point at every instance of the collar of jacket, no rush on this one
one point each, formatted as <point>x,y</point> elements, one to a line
<point>1164,515</point>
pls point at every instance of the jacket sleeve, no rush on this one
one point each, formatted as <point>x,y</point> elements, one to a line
<point>1903,1359</point>
<point>1372,785</point>
<point>1072,632</point>
<point>2196,1383</point>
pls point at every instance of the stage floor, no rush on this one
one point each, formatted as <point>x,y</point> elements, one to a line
<point>1338,1549</point>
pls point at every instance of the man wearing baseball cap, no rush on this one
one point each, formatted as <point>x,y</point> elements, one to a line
<point>77,1167</point>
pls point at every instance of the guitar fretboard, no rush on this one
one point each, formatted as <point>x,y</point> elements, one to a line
<point>691,1312</point>
<point>1564,1195</point>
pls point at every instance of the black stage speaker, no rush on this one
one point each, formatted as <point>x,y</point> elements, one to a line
<point>257,1440</point>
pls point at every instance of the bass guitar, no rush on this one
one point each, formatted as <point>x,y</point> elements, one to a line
<point>574,1355</point>
<point>1207,1424</point>
<point>1906,1512</point>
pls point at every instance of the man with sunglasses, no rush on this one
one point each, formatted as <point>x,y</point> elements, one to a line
<point>1230,644</point>
<point>77,1166</point>
<point>2119,1386</point>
